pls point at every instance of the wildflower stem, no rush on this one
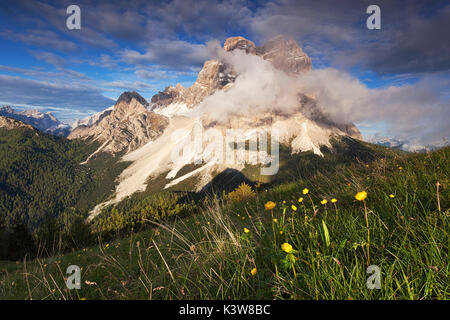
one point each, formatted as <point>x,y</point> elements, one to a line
<point>312,202</point>
<point>295,273</point>
<point>368,232</point>
<point>437,194</point>
<point>273,230</point>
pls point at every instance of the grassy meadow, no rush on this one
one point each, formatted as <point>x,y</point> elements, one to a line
<point>309,239</point>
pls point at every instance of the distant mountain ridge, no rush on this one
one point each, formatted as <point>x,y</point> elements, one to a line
<point>11,123</point>
<point>45,122</point>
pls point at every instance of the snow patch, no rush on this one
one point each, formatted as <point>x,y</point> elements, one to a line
<point>173,109</point>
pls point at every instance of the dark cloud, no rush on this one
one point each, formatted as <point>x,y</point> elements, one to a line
<point>202,19</point>
<point>40,38</point>
<point>413,36</point>
<point>130,85</point>
<point>175,54</point>
<point>18,90</point>
<point>52,15</point>
<point>419,44</point>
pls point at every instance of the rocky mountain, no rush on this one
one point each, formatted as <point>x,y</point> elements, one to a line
<point>10,123</point>
<point>148,134</point>
<point>88,121</point>
<point>126,127</point>
<point>215,75</point>
<point>283,53</point>
<point>45,122</point>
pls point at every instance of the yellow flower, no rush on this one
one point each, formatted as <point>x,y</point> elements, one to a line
<point>400,168</point>
<point>246,230</point>
<point>305,191</point>
<point>391,196</point>
<point>281,232</point>
<point>269,205</point>
<point>275,220</point>
<point>334,200</point>
<point>300,199</point>
<point>286,247</point>
<point>324,201</point>
<point>360,196</point>
<point>294,208</point>
<point>83,299</point>
<point>253,272</point>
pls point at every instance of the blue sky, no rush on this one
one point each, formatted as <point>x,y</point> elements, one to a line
<point>148,45</point>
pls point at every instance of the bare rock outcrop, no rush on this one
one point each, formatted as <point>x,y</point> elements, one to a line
<point>283,53</point>
<point>10,123</point>
<point>240,43</point>
<point>214,75</point>
<point>127,127</point>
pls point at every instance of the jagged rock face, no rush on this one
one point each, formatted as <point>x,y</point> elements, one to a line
<point>128,96</point>
<point>240,43</point>
<point>10,123</point>
<point>127,127</point>
<point>282,52</point>
<point>166,97</point>
<point>45,122</point>
<point>285,54</point>
<point>93,119</point>
<point>214,75</point>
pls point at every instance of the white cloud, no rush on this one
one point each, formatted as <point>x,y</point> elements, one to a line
<point>417,113</point>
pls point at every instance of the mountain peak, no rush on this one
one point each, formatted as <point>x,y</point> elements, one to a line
<point>239,43</point>
<point>7,109</point>
<point>127,96</point>
<point>126,126</point>
<point>285,54</point>
<point>11,123</point>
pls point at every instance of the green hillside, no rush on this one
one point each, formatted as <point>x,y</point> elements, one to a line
<point>45,192</point>
<point>302,248</point>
